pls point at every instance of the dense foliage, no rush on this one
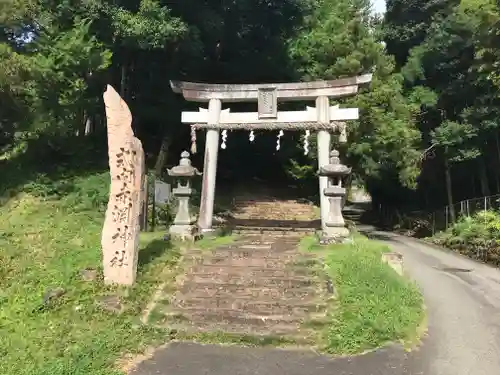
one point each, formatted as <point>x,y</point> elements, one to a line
<point>476,237</point>
<point>433,96</point>
<point>447,56</point>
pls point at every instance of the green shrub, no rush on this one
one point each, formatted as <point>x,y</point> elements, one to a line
<point>477,236</point>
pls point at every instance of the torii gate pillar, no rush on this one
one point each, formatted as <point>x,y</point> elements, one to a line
<point>210,167</point>
<point>323,112</point>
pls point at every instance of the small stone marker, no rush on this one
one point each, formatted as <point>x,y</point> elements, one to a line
<point>162,192</point>
<point>111,304</point>
<point>395,261</point>
<point>120,235</point>
<point>88,274</point>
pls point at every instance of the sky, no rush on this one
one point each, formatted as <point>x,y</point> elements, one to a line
<point>379,6</point>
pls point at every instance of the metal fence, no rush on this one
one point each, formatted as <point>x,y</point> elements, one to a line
<point>466,208</point>
<point>439,220</point>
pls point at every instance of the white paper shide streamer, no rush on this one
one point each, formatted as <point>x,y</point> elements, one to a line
<point>306,142</point>
<point>224,139</point>
<point>193,140</point>
<point>278,142</point>
<point>251,137</point>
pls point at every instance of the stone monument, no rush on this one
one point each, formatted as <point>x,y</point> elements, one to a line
<point>335,229</point>
<point>183,227</point>
<point>120,235</point>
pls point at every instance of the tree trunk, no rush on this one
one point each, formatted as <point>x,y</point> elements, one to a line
<point>473,178</point>
<point>82,123</point>
<point>143,217</point>
<point>161,160</point>
<point>426,199</point>
<point>123,80</point>
<point>348,189</point>
<point>449,188</point>
<point>497,176</point>
<point>88,125</point>
<point>483,178</point>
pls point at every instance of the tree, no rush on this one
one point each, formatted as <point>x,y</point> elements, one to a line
<point>450,64</point>
<point>339,39</point>
<point>407,23</point>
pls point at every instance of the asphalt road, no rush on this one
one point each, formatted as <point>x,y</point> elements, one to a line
<point>463,308</point>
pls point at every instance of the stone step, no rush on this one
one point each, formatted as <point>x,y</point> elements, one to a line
<point>275,231</point>
<point>236,252</point>
<point>243,259</point>
<point>278,332</point>
<point>271,268</point>
<point>240,256</point>
<point>264,307</point>
<point>260,242</point>
<point>274,208</point>
<point>248,207</point>
<point>259,260</point>
<point>303,299</point>
<point>280,223</point>
<point>260,267</point>
<point>249,280</point>
<point>232,291</point>
<point>255,204</point>
<point>230,316</point>
<point>282,314</point>
<point>270,214</point>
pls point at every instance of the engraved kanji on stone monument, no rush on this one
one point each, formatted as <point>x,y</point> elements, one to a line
<point>120,235</point>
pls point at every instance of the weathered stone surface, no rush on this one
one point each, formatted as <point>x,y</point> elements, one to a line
<point>395,261</point>
<point>110,303</point>
<point>335,229</point>
<point>183,227</point>
<point>120,235</point>
<point>163,191</point>
<point>263,293</point>
<point>202,92</point>
<point>89,274</point>
<point>259,285</point>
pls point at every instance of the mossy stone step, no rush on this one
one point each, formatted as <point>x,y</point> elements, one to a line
<point>241,334</point>
<point>237,291</point>
<point>267,306</point>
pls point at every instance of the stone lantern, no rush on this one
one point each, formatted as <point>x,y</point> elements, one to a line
<point>183,226</point>
<point>335,229</point>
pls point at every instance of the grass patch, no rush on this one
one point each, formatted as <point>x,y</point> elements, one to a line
<point>48,235</point>
<point>208,243</point>
<point>374,304</point>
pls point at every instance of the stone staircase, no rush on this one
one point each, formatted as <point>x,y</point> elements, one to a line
<point>262,285</point>
<point>269,214</point>
<point>259,286</point>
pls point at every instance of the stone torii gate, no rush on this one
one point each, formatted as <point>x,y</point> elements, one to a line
<point>323,118</point>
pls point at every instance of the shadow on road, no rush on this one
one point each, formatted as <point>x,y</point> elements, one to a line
<point>371,234</point>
